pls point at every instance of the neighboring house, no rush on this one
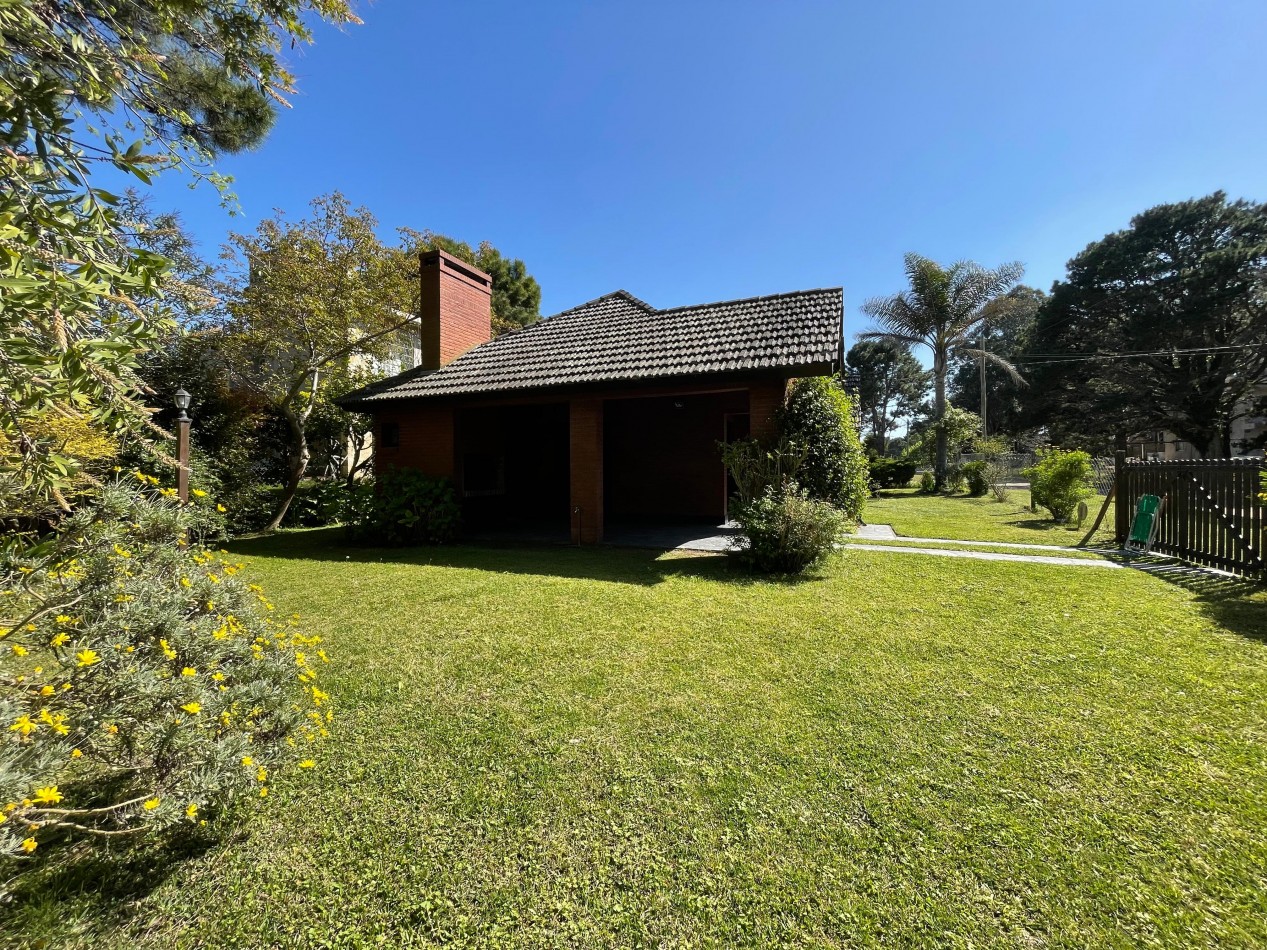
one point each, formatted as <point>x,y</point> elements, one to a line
<point>1163,445</point>
<point>611,411</point>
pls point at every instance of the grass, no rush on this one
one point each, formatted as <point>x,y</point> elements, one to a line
<point>961,518</point>
<point>561,747</point>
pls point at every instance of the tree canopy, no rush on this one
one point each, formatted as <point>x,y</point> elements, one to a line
<point>85,84</point>
<point>891,384</point>
<point>1159,326</point>
<point>315,301</point>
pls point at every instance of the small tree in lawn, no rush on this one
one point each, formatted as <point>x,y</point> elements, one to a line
<point>942,310</point>
<point>315,298</point>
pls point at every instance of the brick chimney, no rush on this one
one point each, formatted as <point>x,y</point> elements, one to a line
<point>456,312</point>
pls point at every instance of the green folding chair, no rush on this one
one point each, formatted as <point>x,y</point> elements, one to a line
<point>1144,528</point>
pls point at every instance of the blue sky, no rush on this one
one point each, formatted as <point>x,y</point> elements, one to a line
<point>698,151</point>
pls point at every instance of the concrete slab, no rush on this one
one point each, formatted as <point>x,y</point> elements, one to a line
<point>876,532</point>
<point>987,555</point>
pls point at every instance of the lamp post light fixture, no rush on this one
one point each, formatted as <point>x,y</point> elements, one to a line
<point>183,401</point>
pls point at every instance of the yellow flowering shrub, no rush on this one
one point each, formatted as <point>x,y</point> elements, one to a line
<point>144,684</point>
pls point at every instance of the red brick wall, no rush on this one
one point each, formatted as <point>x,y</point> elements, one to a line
<point>456,308</point>
<point>586,454</point>
<point>764,400</point>
<point>426,440</point>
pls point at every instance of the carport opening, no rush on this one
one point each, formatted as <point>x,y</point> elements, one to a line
<point>662,461</point>
<point>512,469</point>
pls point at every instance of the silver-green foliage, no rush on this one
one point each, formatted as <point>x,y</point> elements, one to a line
<point>143,682</point>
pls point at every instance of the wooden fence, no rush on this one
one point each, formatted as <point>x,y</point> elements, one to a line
<point>1212,514</point>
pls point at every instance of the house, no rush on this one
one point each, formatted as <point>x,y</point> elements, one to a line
<point>610,412</point>
<point>1247,436</point>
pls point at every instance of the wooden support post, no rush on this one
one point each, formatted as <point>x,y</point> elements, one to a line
<point>1122,516</point>
<point>182,457</point>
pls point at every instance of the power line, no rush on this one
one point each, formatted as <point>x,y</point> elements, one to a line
<point>1084,358</point>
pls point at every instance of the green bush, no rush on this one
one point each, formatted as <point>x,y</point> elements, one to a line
<point>892,473</point>
<point>403,506</point>
<point>819,417</point>
<point>977,475</point>
<point>144,684</point>
<point>927,483</point>
<point>319,502</point>
<point>785,531</point>
<point>956,481</point>
<point>1059,481</point>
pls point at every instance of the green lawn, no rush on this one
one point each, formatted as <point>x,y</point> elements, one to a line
<point>562,747</point>
<point>980,519</point>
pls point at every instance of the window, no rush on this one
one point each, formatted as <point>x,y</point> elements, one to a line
<point>389,435</point>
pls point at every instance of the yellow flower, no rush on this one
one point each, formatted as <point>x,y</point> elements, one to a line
<point>167,492</point>
<point>189,671</point>
<point>247,761</point>
<point>56,720</point>
<point>263,791</point>
<point>49,795</point>
<point>87,657</point>
<point>213,578</point>
<point>18,649</point>
<point>184,582</point>
<point>76,753</point>
<point>198,493</point>
<point>47,690</point>
<point>217,676</point>
<point>59,639</point>
<point>192,708</point>
<point>29,845</point>
<point>191,810</point>
<point>121,551</point>
<point>221,509</point>
<point>112,729</point>
<point>167,650</point>
<point>23,725</point>
<point>307,763</point>
<point>150,804</point>
<point>261,775</point>
<point>62,618</point>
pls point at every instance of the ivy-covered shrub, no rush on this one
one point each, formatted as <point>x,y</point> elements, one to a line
<point>785,531</point>
<point>977,475</point>
<point>892,473</point>
<point>144,684</point>
<point>403,506</point>
<point>1059,481</point>
<point>818,415</point>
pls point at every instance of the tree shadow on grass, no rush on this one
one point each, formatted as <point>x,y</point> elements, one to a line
<point>1233,603</point>
<point>641,566</point>
<point>104,882</point>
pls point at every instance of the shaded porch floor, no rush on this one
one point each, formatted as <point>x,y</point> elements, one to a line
<point>664,535</point>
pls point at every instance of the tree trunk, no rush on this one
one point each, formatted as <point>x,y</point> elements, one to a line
<point>299,459</point>
<point>939,413</point>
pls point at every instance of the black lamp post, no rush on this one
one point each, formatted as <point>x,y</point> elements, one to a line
<point>182,400</point>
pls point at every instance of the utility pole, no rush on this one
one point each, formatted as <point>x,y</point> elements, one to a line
<point>985,417</point>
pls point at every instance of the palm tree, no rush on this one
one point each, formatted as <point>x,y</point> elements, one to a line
<point>941,310</point>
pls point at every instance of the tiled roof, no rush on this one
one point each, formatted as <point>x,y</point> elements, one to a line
<point>619,337</point>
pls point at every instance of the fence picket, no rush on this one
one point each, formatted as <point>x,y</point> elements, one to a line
<point>1213,515</point>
